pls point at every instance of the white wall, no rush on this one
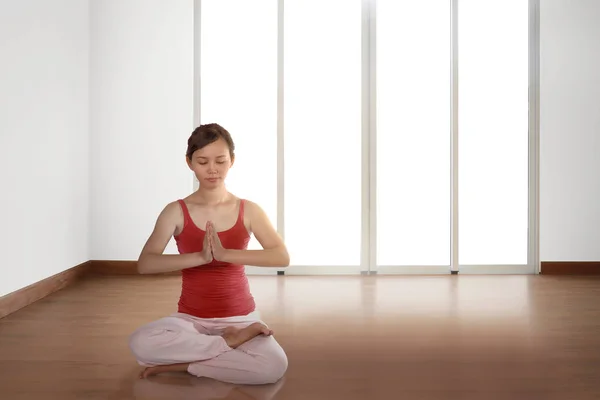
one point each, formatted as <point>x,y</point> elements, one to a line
<point>44,136</point>
<point>570,130</point>
<point>141,116</point>
<point>44,139</point>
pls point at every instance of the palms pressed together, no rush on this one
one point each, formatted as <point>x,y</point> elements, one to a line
<point>212,249</point>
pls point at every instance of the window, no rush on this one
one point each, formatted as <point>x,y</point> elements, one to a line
<point>351,96</point>
<point>322,125</point>
<point>413,132</point>
<point>239,91</point>
<point>493,115</point>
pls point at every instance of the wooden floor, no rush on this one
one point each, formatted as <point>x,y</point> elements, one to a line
<point>424,338</point>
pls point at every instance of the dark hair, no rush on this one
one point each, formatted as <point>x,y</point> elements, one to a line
<point>207,134</point>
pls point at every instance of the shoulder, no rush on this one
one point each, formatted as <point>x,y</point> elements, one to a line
<point>172,207</point>
<point>172,211</point>
<point>171,218</point>
<point>252,209</point>
<point>261,226</point>
<point>255,215</point>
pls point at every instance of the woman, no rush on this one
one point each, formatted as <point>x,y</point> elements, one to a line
<point>217,332</point>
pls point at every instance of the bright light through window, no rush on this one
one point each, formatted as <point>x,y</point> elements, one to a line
<point>413,132</point>
<point>493,131</point>
<point>322,109</point>
<point>239,91</point>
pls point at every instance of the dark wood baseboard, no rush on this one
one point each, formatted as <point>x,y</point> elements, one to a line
<point>110,267</point>
<point>30,294</point>
<point>570,268</point>
<point>107,267</point>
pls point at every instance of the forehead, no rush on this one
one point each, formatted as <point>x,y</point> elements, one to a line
<point>214,149</point>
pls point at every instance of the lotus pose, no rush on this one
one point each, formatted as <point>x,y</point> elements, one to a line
<point>217,331</point>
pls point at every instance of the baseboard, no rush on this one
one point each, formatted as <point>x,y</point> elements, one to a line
<point>23,297</point>
<point>107,267</point>
<point>570,268</point>
<point>110,267</point>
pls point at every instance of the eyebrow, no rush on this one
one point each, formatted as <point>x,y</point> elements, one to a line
<point>221,156</point>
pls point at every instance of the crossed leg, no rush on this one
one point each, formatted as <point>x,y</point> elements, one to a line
<point>240,353</point>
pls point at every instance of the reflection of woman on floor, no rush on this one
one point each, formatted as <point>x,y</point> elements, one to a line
<point>170,387</point>
<point>217,332</point>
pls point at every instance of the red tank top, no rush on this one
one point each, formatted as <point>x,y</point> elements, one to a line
<point>217,289</point>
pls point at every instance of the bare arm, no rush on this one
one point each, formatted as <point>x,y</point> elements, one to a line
<point>152,260</point>
<point>274,253</point>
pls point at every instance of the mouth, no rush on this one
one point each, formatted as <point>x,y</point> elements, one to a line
<point>212,179</point>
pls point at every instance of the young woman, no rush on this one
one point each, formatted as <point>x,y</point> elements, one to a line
<point>217,332</point>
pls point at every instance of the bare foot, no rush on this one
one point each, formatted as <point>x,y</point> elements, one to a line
<point>163,368</point>
<point>235,337</point>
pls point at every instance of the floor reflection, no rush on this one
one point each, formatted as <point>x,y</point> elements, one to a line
<point>187,387</point>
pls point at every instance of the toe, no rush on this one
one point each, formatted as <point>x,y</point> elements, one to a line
<point>267,332</point>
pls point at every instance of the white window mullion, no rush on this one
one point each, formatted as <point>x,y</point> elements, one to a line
<point>197,86</point>
<point>534,62</point>
<point>454,139</point>
<point>368,175</point>
<point>373,137</point>
<point>280,122</point>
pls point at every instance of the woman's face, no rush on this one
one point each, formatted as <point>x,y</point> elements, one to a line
<point>211,164</point>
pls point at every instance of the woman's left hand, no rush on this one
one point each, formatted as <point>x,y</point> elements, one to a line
<point>218,251</point>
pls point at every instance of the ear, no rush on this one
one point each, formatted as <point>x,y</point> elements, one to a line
<point>188,162</point>
<point>232,160</point>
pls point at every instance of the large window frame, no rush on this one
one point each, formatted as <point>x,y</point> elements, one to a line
<point>368,265</point>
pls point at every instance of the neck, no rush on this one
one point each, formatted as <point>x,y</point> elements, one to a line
<point>212,196</point>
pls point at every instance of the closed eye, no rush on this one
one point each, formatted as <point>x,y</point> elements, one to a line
<point>218,162</point>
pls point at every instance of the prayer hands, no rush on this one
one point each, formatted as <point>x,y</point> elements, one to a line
<point>206,253</point>
<point>216,247</point>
